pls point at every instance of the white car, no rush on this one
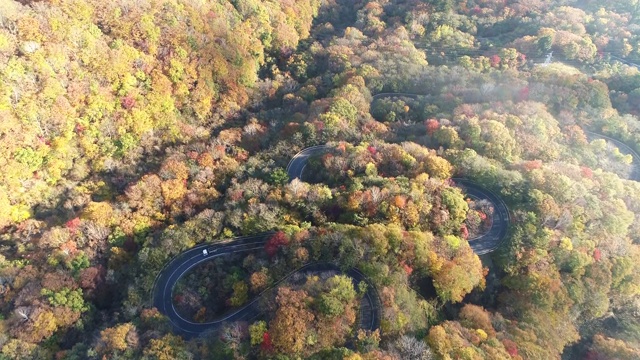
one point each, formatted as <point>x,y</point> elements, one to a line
<point>205,252</point>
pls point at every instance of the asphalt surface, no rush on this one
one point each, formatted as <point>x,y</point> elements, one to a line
<point>388,95</point>
<point>492,239</point>
<point>625,61</point>
<point>296,165</point>
<point>176,268</point>
<point>181,264</point>
<point>370,307</point>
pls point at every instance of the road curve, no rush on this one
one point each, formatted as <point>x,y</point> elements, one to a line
<point>369,317</point>
<point>181,264</point>
<point>296,165</point>
<point>178,266</point>
<point>385,95</point>
<point>493,238</point>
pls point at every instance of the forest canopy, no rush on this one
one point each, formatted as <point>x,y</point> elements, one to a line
<point>133,131</point>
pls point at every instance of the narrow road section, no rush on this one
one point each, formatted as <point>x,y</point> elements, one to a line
<point>176,268</point>
<point>296,166</point>
<point>493,238</point>
<point>181,264</point>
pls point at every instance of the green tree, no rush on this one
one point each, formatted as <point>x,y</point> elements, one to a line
<point>278,176</point>
<point>66,297</point>
<point>257,331</point>
<point>240,294</point>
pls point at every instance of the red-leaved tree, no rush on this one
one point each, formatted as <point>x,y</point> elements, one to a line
<point>275,242</point>
<point>511,347</point>
<point>432,126</point>
<point>495,61</point>
<point>266,343</point>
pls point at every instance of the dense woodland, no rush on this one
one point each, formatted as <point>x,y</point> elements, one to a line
<point>134,130</point>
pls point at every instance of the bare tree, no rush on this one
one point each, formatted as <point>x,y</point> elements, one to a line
<point>95,231</point>
<point>487,89</point>
<point>565,219</point>
<point>23,312</point>
<point>376,194</point>
<point>233,333</point>
<point>297,187</point>
<point>253,127</point>
<point>409,348</point>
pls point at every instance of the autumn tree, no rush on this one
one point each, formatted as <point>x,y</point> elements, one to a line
<point>288,329</point>
<point>608,348</point>
<point>166,348</point>
<point>276,241</point>
<point>117,339</point>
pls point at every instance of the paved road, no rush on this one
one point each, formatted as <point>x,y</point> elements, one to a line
<point>296,165</point>
<point>624,149</point>
<point>370,306</point>
<point>181,264</point>
<point>491,240</point>
<point>387,95</point>
<point>625,61</point>
<point>369,317</point>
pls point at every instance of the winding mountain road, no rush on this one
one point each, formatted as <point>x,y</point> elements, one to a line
<point>296,165</point>
<point>180,265</point>
<point>369,317</point>
<point>493,238</point>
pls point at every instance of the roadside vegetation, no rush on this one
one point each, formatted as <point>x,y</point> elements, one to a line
<point>132,131</point>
